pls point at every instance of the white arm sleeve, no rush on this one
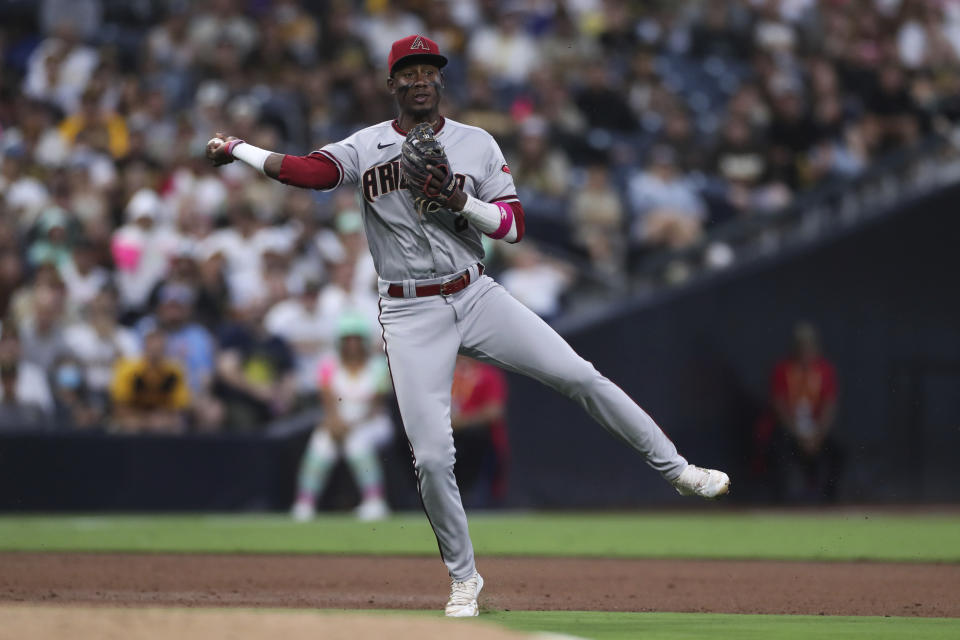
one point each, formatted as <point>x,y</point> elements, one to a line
<point>253,156</point>
<point>490,218</point>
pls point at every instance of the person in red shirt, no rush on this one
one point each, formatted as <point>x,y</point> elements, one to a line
<point>804,401</point>
<point>478,412</point>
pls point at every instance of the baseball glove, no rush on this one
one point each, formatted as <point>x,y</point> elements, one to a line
<point>429,190</point>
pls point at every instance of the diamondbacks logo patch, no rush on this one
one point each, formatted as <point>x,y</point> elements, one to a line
<point>419,44</point>
<point>505,169</point>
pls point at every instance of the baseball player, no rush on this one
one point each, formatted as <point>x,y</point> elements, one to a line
<point>353,384</point>
<point>429,187</point>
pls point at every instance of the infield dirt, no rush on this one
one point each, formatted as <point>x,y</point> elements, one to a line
<point>368,582</point>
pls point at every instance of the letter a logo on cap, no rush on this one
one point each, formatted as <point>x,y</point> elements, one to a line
<point>419,44</point>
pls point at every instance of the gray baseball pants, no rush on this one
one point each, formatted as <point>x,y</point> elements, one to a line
<point>422,337</point>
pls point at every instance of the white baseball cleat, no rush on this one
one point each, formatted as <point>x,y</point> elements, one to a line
<point>463,597</point>
<point>372,509</point>
<point>303,511</point>
<point>706,483</point>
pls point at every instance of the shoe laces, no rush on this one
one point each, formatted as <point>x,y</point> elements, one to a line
<point>463,592</point>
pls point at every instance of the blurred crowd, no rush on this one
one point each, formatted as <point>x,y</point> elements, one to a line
<point>142,290</point>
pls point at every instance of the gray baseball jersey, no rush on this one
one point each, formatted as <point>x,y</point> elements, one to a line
<point>422,335</point>
<point>403,244</point>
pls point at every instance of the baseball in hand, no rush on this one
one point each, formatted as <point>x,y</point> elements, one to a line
<point>214,143</point>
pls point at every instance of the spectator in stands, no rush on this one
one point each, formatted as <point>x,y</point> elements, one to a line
<point>76,407</point>
<point>24,195</point>
<point>298,30</point>
<point>221,22</point>
<point>83,277</point>
<point>927,36</point>
<point>565,46</point>
<point>899,118</point>
<point>303,228</point>
<point>678,134</point>
<point>391,22</point>
<point>33,133</point>
<point>749,106</point>
<point>213,287</point>
<point>98,342</point>
<point>241,244</point>
<point>139,251</point>
<point>97,127</point>
<point>535,280</point>
<point>721,30</point>
<point>480,105</point>
<point>85,16</point>
<point>747,185</point>
<point>804,400</point>
<point>353,385</point>
<point>791,132</point>
<point>60,67</point>
<point>478,417</point>
<point>25,399</point>
<point>667,210</point>
<point>504,50</point>
<point>831,155</point>
<point>11,272</point>
<point>41,330</point>
<point>255,372</point>
<point>340,43</point>
<point>348,225</point>
<point>539,170</point>
<point>601,104</point>
<point>598,221</point>
<point>341,294</point>
<point>298,321</point>
<point>191,346</point>
<point>149,394</point>
<point>210,303</point>
<point>52,244</point>
<point>23,300</point>
<point>445,30</point>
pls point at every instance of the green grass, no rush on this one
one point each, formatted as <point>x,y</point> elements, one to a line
<point>801,536</point>
<point>598,625</point>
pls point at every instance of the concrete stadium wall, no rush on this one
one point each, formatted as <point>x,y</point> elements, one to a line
<point>886,302</point>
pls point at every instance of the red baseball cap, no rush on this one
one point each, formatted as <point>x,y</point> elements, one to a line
<point>415,46</point>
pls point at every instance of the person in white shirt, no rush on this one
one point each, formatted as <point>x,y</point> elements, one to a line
<point>141,250</point>
<point>353,384</point>
<point>537,281</point>
<point>98,341</point>
<point>25,398</point>
<point>298,321</point>
<point>83,277</point>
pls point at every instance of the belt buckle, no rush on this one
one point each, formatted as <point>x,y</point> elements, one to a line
<point>465,276</point>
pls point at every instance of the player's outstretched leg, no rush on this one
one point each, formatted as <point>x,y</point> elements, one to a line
<point>502,330</point>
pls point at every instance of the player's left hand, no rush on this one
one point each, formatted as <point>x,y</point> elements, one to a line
<point>426,171</point>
